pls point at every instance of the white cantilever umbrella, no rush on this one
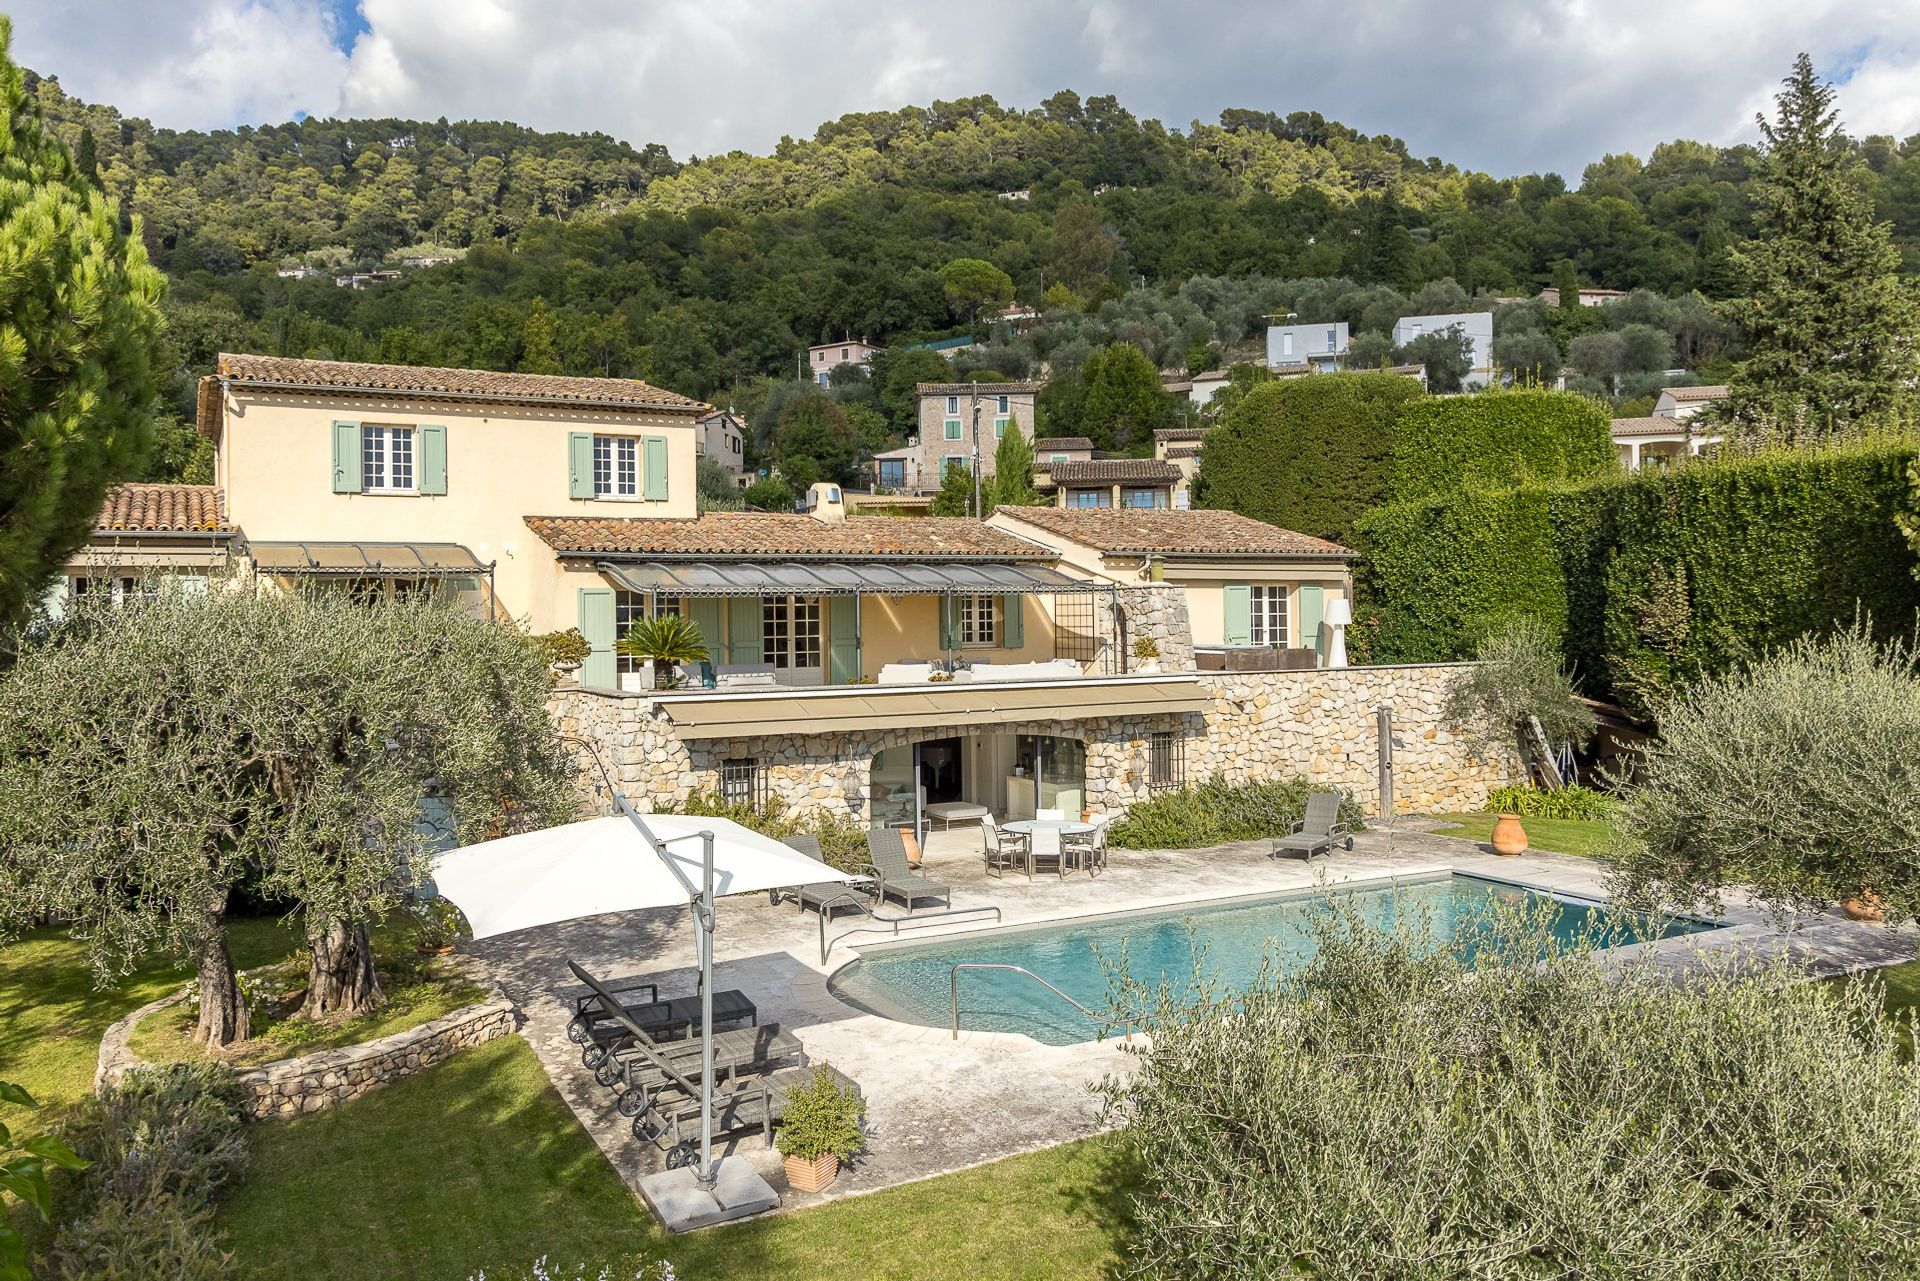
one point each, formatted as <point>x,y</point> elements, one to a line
<point>623,864</point>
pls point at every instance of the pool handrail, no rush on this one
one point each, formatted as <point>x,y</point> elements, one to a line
<point>953,990</point>
<point>894,922</point>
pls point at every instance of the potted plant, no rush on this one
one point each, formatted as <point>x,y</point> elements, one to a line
<point>820,1129</point>
<point>436,926</point>
<point>564,651</point>
<point>1146,654</point>
<point>666,642</point>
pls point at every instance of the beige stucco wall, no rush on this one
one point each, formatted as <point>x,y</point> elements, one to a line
<point>1206,601</point>
<point>504,463</point>
<point>893,628</point>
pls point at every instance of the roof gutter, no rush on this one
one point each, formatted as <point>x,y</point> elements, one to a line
<point>624,556</point>
<point>206,535</point>
<point>481,397</point>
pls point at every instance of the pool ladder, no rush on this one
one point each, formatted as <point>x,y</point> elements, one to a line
<point>953,990</point>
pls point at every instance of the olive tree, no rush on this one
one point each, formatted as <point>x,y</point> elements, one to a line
<point>154,755</point>
<point>1798,776</point>
<point>1518,675</point>
<point>1499,1106</point>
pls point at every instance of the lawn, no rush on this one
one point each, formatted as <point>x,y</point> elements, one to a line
<point>52,1016</point>
<point>1556,835</point>
<point>478,1164</point>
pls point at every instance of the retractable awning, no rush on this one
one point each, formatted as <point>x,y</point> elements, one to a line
<point>840,578</point>
<point>918,706</point>
<point>384,560</point>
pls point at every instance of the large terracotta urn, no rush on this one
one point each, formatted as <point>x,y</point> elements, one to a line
<point>1508,836</point>
<point>1865,906</point>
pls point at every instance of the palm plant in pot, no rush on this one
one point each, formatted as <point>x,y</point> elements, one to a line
<point>820,1129</point>
<point>666,641</point>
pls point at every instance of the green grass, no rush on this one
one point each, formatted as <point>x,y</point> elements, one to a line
<point>1556,835</point>
<point>52,1016</point>
<point>478,1164</point>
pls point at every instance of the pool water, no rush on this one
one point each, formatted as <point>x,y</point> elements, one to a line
<point>911,983</point>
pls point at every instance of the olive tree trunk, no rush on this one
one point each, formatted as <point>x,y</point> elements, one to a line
<point>341,979</point>
<point>223,1010</point>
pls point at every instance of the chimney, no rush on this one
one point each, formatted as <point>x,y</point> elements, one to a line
<point>824,503</point>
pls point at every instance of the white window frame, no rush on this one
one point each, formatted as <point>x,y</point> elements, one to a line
<point>1102,499</point>
<point>1286,346</point>
<point>1268,615</point>
<point>979,620</point>
<point>616,468</point>
<point>628,609</point>
<point>1003,405</point>
<point>1000,427</point>
<point>953,404</point>
<point>389,461</point>
<point>791,637</point>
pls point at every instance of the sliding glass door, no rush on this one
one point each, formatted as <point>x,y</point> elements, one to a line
<point>1058,767</point>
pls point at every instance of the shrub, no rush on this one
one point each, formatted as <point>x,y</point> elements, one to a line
<point>1498,439</point>
<point>1330,437</point>
<point>568,646</point>
<point>1519,676</point>
<point>822,1119</point>
<point>170,1133</point>
<point>1584,804</point>
<point>165,1238</point>
<point>843,842</point>
<point>1797,776</point>
<point>1378,1115</point>
<point>1216,812</point>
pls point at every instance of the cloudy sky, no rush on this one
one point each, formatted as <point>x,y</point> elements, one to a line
<point>1506,86</point>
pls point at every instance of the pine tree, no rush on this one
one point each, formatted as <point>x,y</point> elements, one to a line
<point>78,324</point>
<point>1829,322</point>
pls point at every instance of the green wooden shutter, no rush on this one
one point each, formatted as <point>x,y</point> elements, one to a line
<point>596,625</point>
<point>580,464</point>
<point>1013,623</point>
<point>843,640</point>
<point>1313,612</point>
<point>949,623</point>
<point>1238,600</point>
<point>346,458</point>
<point>432,439</point>
<point>709,615</point>
<point>655,450</point>
<point>743,630</point>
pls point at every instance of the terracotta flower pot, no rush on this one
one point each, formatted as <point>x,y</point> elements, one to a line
<point>1508,836</point>
<point>814,1175</point>
<point>912,842</point>
<point>1865,906</point>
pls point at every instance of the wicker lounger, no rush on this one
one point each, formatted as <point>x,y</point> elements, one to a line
<point>1318,831</point>
<point>893,877</point>
<point>758,1104</point>
<point>668,1020</point>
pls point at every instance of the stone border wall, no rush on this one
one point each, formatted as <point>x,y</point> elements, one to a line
<point>326,1078</point>
<point>1319,725</point>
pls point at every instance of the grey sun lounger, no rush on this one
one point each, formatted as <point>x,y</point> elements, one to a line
<point>821,896</point>
<point>892,875</point>
<point>758,1104</point>
<point>667,1020</point>
<point>1318,831</point>
<point>645,1064</point>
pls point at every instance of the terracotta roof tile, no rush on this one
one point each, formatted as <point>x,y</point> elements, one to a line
<point>1120,529</point>
<point>1062,442</point>
<point>163,509</point>
<point>1162,435</point>
<point>985,389</point>
<point>1687,395</point>
<point>1111,470</point>
<point>779,534</point>
<point>1656,425</point>
<point>426,383</point>
<point>1183,451</point>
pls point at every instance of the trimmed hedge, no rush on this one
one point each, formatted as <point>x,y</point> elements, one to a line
<point>1496,440</point>
<point>1656,579</point>
<point>1307,454</point>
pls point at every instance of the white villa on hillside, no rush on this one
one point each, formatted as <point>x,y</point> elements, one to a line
<point>1668,434</point>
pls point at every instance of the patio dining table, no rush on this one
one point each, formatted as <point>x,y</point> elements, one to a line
<point>1064,826</point>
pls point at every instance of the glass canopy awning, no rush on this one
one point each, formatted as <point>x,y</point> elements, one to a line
<point>381,560</point>
<point>841,578</point>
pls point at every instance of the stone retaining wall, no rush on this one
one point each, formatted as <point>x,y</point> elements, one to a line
<point>313,1082</point>
<point>1318,725</point>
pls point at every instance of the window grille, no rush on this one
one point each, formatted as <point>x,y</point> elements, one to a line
<point>1166,761</point>
<point>1076,632</point>
<point>743,782</point>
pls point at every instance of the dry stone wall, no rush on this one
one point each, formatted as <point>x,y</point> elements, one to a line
<point>1318,725</point>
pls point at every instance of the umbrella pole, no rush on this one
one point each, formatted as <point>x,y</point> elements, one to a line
<point>705,913</point>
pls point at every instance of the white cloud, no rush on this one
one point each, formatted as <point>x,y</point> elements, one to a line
<point>1513,86</point>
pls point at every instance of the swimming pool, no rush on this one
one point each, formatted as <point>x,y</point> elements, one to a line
<point>911,982</point>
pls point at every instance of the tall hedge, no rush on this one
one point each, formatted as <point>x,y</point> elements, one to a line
<point>1658,578</point>
<point>1498,439</point>
<point>1308,454</point>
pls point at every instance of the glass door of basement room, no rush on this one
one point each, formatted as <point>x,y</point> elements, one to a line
<point>1058,766</point>
<point>893,789</point>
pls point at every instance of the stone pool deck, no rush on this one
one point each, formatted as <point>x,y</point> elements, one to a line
<point>936,1104</point>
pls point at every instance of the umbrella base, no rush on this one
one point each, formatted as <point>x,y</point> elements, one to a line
<point>682,1205</point>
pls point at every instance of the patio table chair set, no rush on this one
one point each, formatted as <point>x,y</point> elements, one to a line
<point>651,1060</point>
<point>1045,846</point>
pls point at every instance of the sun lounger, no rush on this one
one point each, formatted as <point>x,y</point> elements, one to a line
<point>821,896</point>
<point>1318,831</point>
<point>759,1104</point>
<point>894,879</point>
<point>678,1062</point>
<point>667,1020</point>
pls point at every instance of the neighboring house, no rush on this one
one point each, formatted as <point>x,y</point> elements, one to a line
<point>1478,326</point>
<point>362,279</point>
<point>948,347</point>
<point>1180,446</point>
<point>144,535</point>
<point>1588,297</point>
<point>826,357</point>
<point>1108,482</point>
<point>948,413</point>
<point>723,437</point>
<point>897,471</point>
<point>1200,388</point>
<point>1062,449</point>
<point>1668,435</point>
<point>1247,584</point>
<point>1321,346</point>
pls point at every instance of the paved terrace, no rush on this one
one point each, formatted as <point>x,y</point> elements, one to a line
<point>935,1104</point>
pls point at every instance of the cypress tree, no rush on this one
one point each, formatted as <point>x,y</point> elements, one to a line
<point>78,324</point>
<point>1829,322</point>
<point>1012,483</point>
